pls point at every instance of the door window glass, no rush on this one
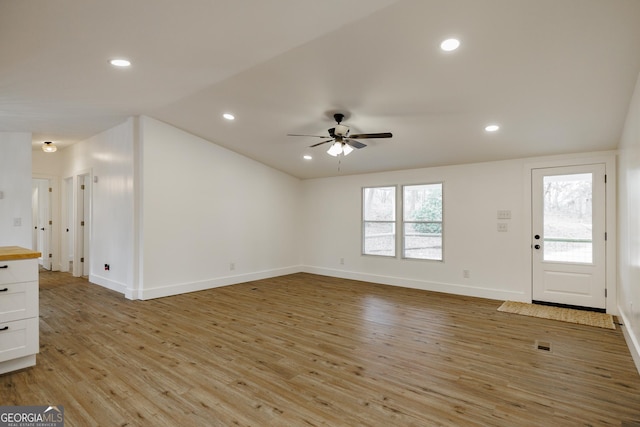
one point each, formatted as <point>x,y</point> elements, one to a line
<point>568,218</point>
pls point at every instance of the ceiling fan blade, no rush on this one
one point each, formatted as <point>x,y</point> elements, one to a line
<point>354,143</point>
<point>371,135</point>
<point>313,136</point>
<point>320,143</point>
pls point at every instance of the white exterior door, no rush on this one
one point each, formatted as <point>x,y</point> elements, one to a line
<point>568,235</point>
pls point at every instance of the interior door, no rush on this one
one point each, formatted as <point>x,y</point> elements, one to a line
<point>568,235</point>
<point>81,260</point>
<point>86,230</point>
<point>41,204</point>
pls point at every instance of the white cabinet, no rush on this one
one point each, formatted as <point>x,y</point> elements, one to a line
<point>19,329</point>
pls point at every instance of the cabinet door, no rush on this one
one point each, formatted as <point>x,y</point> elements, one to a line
<point>24,270</point>
<point>18,301</point>
<point>18,338</point>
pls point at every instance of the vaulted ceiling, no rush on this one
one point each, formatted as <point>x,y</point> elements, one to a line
<point>556,75</point>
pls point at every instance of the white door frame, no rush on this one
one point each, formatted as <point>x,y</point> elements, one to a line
<point>609,160</point>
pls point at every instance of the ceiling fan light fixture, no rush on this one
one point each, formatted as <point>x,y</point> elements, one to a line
<point>335,149</point>
<point>346,149</point>
<point>49,147</point>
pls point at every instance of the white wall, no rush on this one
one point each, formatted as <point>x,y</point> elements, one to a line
<point>15,185</point>
<point>629,226</point>
<point>498,262</point>
<point>204,208</point>
<point>108,157</point>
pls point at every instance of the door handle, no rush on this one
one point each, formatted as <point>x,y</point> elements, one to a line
<point>537,237</point>
<point>4,289</point>
<point>537,246</point>
<point>4,266</point>
<point>4,329</point>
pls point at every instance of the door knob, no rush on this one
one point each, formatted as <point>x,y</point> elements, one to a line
<point>537,236</point>
<point>537,246</point>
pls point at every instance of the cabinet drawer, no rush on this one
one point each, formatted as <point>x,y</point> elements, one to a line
<point>24,270</point>
<point>18,338</point>
<point>18,301</point>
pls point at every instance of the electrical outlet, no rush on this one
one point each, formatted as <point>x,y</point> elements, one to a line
<point>466,274</point>
<point>232,266</point>
<point>503,227</point>
<point>17,222</point>
<point>341,261</point>
<point>107,267</point>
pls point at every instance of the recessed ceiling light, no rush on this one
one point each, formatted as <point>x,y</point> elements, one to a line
<point>307,157</point>
<point>450,44</point>
<point>120,62</point>
<point>492,128</point>
<point>229,116</point>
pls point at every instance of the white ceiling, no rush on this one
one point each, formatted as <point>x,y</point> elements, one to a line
<point>557,75</point>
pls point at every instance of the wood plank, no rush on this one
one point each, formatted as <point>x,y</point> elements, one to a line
<point>311,350</point>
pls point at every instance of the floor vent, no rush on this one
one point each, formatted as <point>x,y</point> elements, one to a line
<point>542,345</point>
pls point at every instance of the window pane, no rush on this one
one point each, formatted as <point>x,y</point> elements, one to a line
<point>423,240</point>
<point>379,204</point>
<point>380,238</point>
<point>422,217</point>
<point>568,231</point>
<point>422,202</point>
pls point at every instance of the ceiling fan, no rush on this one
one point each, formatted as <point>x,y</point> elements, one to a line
<point>343,141</point>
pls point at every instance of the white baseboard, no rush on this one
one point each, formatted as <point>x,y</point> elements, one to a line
<point>108,283</point>
<point>181,288</point>
<point>630,338</point>
<point>426,285</point>
<point>19,363</point>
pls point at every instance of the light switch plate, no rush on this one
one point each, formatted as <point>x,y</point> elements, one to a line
<point>504,214</point>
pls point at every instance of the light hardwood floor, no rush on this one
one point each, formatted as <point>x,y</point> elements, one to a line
<point>307,350</point>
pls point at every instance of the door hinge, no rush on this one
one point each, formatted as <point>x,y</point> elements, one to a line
<point>50,255</point>
<point>50,222</point>
<point>605,178</point>
<point>605,235</point>
<point>82,187</point>
<point>605,292</point>
<point>82,223</point>
<point>50,190</point>
<point>81,259</point>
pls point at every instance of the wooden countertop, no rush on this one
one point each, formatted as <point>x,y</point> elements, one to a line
<point>11,253</point>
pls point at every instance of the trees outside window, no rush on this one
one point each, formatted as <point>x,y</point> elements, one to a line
<point>379,221</point>
<point>422,221</point>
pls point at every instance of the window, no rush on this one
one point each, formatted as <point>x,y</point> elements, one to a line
<point>379,221</point>
<point>422,221</point>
